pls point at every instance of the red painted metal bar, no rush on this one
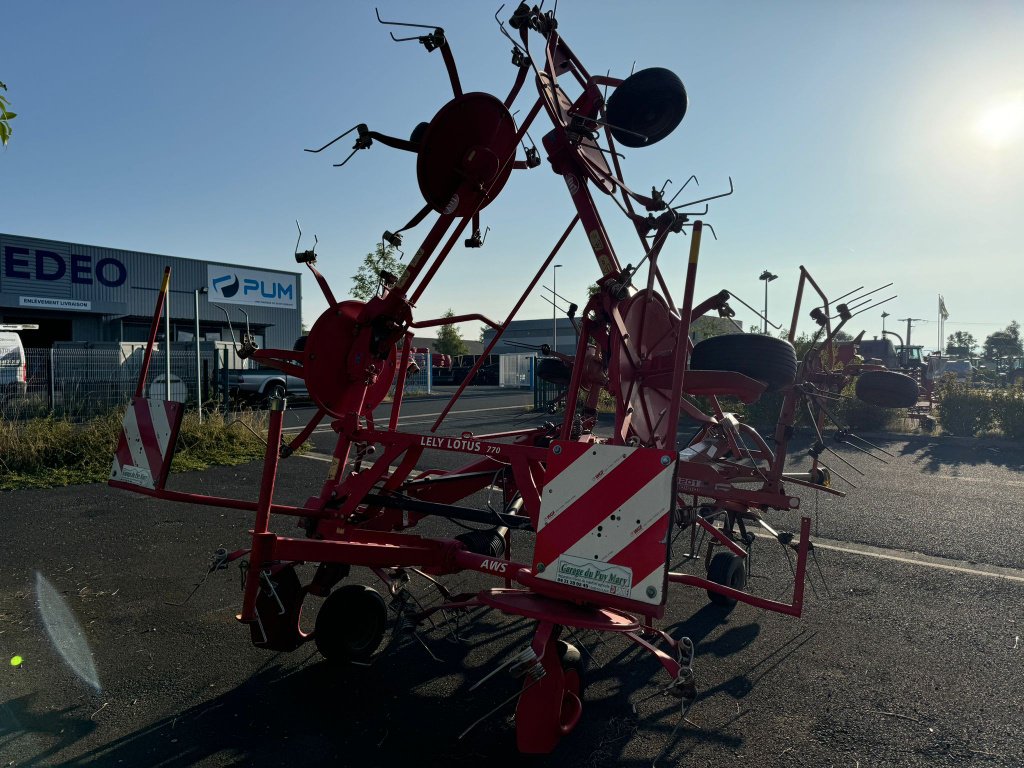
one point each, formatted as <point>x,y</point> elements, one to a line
<point>439,258</point>
<point>212,501</point>
<point>455,319</point>
<point>504,326</point>
<point>153,328</point>
<point>260,553</point>
<point>724,540</point>
<point>429,244</point>
<point>403,371</point>
<point>680,363</point>
<point>324,287</point>
<point>791,609</point>
<point>300,438</point>
<point>453,71</point>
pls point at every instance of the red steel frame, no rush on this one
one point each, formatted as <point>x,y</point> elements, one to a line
<point>362,513</point>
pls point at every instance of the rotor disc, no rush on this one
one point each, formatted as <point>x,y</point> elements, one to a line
<point>650,343</point>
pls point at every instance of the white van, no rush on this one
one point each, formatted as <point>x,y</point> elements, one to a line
<point>13,368</point>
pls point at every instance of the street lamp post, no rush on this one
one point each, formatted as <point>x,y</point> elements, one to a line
<point>199,361</point>
<point>767,277</point>
<point>554,311</point>
<point>884,315</point>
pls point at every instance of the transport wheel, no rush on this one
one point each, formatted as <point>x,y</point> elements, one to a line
<point>730,570</point>
<point>887,389</point>
<point>572,696</point>
<point>763,358</point>
<point>351,623</point>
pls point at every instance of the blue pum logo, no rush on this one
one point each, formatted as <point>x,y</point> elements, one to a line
<point>240,286</point>
<point>228,285</point>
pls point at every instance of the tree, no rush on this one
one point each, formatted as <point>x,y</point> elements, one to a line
<point>1004,343</point>
<point>5,117</point>
<point>449,340</point>
<point>959,341</point>
<point>366,282</point>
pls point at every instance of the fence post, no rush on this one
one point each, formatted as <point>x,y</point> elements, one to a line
<point>430,373</point>
<point>52,382</point>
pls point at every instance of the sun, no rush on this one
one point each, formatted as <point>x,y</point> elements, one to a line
<point>1003,122</point>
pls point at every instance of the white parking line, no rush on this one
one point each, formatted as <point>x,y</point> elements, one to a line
<point>917,558</point>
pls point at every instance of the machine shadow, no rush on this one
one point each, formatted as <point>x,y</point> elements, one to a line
<point>410,704</point>
<point>935,457</point>
<point>61,728</point>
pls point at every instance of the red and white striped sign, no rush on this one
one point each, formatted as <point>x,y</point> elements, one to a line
<point>146,445</point>
<point>604,519</point>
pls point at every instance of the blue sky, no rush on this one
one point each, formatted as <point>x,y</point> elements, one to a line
<point>851,131</point>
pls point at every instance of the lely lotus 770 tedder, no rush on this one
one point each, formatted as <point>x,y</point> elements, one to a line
<point>602,508</point>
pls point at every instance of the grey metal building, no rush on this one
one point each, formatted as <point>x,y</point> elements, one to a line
<point>85,293</point>
<point>537,332</point>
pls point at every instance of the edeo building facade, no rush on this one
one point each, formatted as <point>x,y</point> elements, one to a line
<point>85,293</point>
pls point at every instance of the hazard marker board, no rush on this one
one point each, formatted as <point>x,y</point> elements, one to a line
<point>146,444</point>
<point>605,520</point>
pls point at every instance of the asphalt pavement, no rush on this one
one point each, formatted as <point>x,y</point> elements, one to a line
<point>908,653</point>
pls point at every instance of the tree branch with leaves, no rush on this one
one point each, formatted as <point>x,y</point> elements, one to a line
<point>5,117</point>
<point>366,281</point>
<point>449,340</point>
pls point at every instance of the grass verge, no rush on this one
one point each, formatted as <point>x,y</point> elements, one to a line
<point>49,452</point>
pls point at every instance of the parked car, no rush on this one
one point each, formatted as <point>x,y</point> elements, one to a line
<point>261,384</point>
<point>13,367</point>
<point>962,369</point>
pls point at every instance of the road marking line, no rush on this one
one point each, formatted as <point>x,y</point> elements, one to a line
<point>925,561</point>
<point>963,479</point>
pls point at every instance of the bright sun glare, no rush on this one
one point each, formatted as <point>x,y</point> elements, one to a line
<point>1003,122</point>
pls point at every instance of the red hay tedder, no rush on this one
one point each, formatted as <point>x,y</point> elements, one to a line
<point>602,509</point>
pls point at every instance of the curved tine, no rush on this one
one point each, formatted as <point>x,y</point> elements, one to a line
<point>338,165</point>
<point>704,199</point>
<point>708,226</point>
<point>692,178</point>
<point>501,26</point>
<point>696,213</point>
<point>872,306</point>
<point>338,138</point>
<point>402,23</point>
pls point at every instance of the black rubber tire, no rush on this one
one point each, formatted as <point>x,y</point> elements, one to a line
<point>763,358</point>
<point>887,389</point>
<point>350,625</point>
<point>553,370</point>
<point>651,102</point>
<point>729,570</point>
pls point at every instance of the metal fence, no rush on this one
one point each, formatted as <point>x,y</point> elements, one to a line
<point>79,383</point>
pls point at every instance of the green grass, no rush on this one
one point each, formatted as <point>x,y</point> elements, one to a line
<point>48,452</point>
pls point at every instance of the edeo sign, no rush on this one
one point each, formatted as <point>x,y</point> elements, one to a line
<point>49,266</point>
<point>232,285</point>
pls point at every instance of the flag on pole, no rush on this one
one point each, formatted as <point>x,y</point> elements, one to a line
<point>943,312</point>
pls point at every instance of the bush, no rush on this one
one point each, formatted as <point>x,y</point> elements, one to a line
<point>47,452</point>
<point>857,414</point>
<point>1008,410</point>
<point>964,411</point>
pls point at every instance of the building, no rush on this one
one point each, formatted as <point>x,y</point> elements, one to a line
<point>537,332</point>
<point>85,293</point>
